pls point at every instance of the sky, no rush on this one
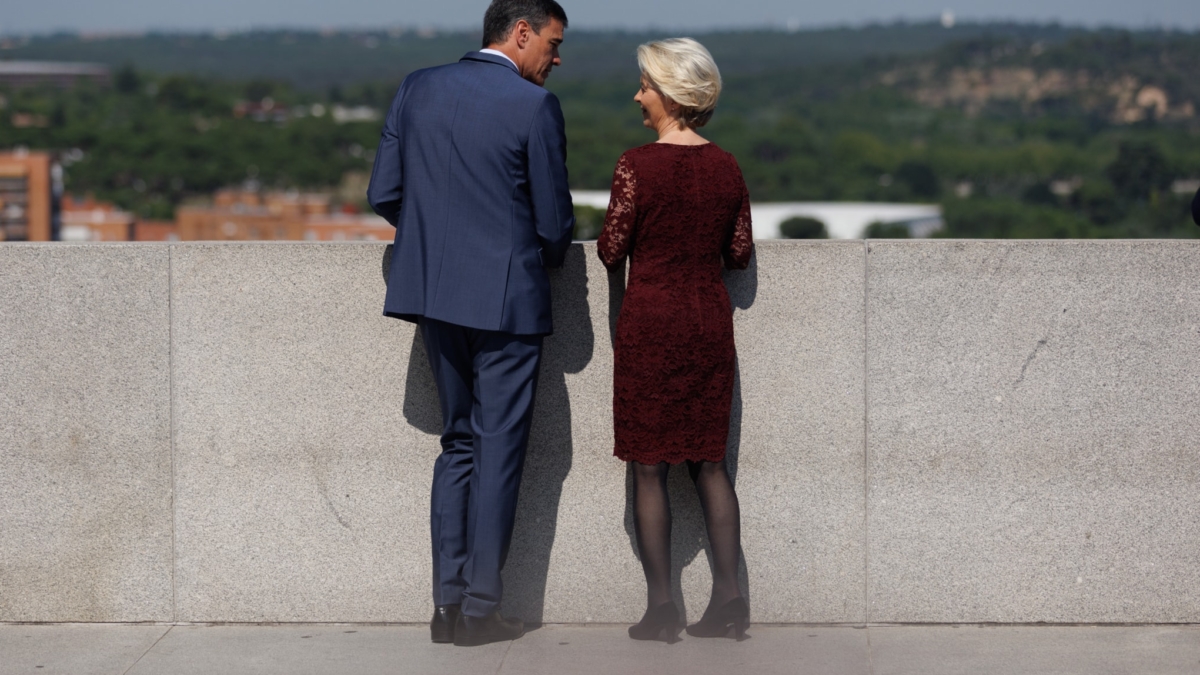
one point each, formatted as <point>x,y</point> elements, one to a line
<point>108,16</point>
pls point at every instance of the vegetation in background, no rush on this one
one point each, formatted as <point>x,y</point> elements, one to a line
<point>1016,131</point>
<point>320,61</point>
<point>887,231</point>
<point>589,220</point>
<point>149,143</point>
<point>802,227</point>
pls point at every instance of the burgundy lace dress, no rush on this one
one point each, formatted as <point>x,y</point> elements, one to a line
<point>677,211</point>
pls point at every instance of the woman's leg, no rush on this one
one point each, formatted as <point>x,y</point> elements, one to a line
<point>722,518</point>
<point>652,523</point>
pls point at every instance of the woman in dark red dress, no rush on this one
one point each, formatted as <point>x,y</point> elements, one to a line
<point>679,209</point>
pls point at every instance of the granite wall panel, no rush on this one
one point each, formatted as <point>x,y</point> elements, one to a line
<point>1033,452</point>
<point>85,454</point>
<point>301,488</point>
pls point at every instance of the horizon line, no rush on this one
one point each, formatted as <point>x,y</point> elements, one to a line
<point>437,30</point>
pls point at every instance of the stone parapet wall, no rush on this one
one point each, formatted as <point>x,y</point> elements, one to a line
<point>933,431</point>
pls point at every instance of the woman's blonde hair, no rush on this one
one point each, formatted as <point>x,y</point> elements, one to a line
<point>682,70</point>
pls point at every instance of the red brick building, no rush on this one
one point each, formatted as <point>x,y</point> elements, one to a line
<point>26,200</point>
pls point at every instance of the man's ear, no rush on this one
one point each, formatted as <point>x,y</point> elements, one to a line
<point>523,30</point>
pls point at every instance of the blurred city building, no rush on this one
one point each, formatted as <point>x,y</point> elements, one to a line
<point>90,220</point>
<point>842,220</point>
<point>261,111</point>
<point>156,230</point>
<point>1185,186</point>
<point>33,208</point>
<point>243,215</point>
<point>269,110</point>
<point>30,211</point>
<point>27,196</point>
<point>65,75</point>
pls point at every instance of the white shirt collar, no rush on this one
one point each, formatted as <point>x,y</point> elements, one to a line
<point>495,52</point>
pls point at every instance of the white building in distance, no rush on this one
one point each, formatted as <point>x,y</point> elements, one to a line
<point>843,220</point>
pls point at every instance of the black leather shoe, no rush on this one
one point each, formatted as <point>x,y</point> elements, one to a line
<point>441,626</point>
<point>472,632</point>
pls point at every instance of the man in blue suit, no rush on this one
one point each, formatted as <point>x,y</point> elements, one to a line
<point>471,169</point>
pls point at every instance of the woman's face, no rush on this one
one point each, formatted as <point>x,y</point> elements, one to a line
<point>654,107</point>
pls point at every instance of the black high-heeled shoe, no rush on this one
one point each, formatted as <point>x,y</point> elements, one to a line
<point>734,614</point>
<point>659,623</point>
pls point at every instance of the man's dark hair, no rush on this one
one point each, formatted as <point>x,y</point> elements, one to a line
<point>503,15</point>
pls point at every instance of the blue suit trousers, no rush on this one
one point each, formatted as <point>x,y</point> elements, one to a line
<point>486,383</point>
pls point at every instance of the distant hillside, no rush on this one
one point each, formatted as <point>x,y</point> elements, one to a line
<point>1006,68</point>
<point>1017,131</point>
<point>318,61</point>
<point>1123,77</point>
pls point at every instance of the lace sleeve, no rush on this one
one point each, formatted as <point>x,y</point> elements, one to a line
<point>741,240</point>
<point>616,239</point>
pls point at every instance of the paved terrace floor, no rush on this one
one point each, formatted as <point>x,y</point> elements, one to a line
<point>348,649</point>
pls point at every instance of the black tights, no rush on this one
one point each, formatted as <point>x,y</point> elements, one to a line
<point>652,522</point>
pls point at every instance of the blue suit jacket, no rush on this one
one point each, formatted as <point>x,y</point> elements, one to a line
<point>471,170</point>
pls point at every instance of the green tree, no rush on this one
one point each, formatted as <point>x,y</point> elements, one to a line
<point>1139,171</point>
<point>919,178</point>
<point>802,227</point>
<point>1097,200</point>
<point>1006,219</point>
<point>887,231</point>
<point>588,222</point>
<point>127,80</point>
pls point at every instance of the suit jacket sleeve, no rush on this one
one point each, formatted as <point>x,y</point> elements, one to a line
<point>386,191</point>
<point>553,212</point>
<point>1196,208</point>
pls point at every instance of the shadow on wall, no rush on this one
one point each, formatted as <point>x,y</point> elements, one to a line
<point>688,537</point>
<point>551,447</point>
<point>743,290</point>
<point>421,407</point>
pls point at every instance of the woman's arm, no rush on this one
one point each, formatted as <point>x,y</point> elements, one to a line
<point>740,245</point>
<point>616,239</point>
